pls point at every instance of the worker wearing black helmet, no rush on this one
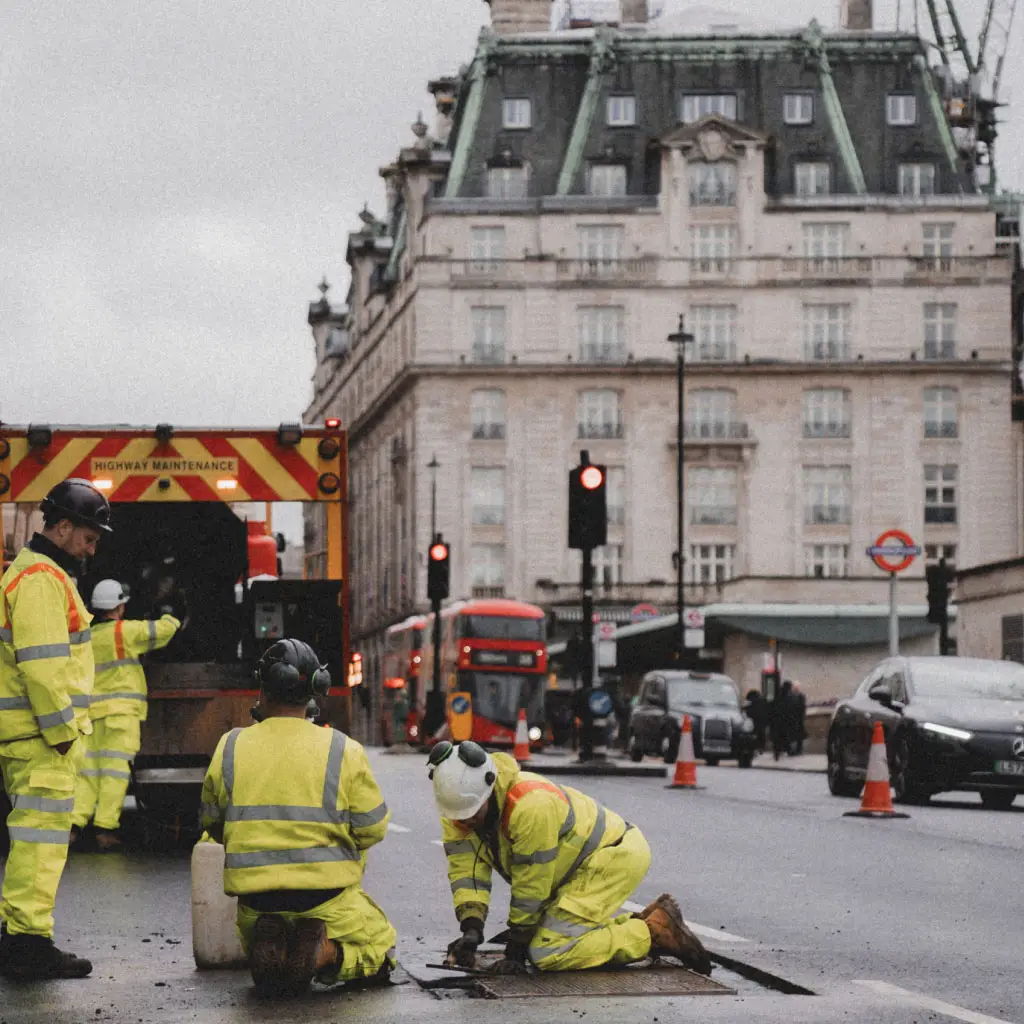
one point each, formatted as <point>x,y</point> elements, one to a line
<point>46,678</point>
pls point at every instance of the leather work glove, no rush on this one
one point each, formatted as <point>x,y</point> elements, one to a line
<point>462,952</point>
<point>515,958</point>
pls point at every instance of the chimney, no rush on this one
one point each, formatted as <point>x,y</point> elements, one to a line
<point>518,17</point>
<point>855,15</point>
<point>634,12</point>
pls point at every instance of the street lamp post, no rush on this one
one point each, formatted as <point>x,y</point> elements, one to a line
<point>433,465</point>
<point>680,339</point>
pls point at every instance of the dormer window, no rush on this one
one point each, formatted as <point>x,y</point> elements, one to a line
<point>712,184</point>
<point>694,106</point>
<point>621,112</point>
<point>606,180</point>
<point>516,114</point>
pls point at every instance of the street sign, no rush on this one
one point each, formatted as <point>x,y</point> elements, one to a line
<point>643,612</point>
<point>693,618</point>
<point>607,653</point>
<point>693,638</point>
<point>606,630</point>
<point>893,551</point>
<point>601,704</point>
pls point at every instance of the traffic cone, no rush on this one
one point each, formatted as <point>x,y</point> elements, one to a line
<point>686,763</point>
<point>877,799</point>
<point>521,751</point>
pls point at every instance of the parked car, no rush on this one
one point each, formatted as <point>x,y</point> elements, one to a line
<point>720,729</point>
<point>950,724</point>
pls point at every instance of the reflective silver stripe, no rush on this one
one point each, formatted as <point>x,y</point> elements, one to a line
<point>282,812</point>
<point>307,855</point>
<point>228,764</point>
<point>470,883</point>
<point>42,651</point>
<point>104,773</point>
<point>554,924</point>
<point>55,718</point>
<point>80,700</point>
<point>15,704</point>
<point>570,821</point>
<point>592,843</point>
<point>57,836</point>
<point>106,666</point>
<point>211,811</point>
<point>459,846</point>
<point>538,953</point>
<point>117,696</point>
<point>332,777</point>
<point>364,819</point>
<point>117,755</point>
<point>152,635</point>
<point>81,637</point>
<point>7,635</point>
<point>526,906</point>
<point>540,857</point>
<point>46,804</point>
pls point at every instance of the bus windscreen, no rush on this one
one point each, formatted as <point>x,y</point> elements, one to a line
<point>497,627</point>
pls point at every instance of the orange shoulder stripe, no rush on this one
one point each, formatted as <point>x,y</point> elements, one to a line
<point>74,621</point>
<point>518,791</point>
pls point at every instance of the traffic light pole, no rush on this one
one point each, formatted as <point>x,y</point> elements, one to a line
<point>433,701</point>
<point>587,656</point>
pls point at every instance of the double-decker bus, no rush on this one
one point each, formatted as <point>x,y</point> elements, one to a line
<point>403,658</point>
<point>496,651</point>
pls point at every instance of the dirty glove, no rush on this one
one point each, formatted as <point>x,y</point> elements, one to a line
<point>514,961</point>
<point>462,952</point>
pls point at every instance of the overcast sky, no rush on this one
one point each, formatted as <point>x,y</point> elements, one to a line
<point>178,175</point>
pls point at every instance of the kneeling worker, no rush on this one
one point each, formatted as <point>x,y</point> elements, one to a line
<point>570,862</point>
<point>297,807</point>
<point>117,709</point>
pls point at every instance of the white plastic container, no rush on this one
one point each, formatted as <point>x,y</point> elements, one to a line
<point>215,944</point>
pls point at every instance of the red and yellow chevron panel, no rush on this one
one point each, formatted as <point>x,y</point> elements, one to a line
<point>193,465</point>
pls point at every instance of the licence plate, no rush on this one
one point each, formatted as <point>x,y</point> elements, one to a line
<point>1010,767</point>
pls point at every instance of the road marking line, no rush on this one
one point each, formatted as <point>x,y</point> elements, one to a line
<point>883,988</point>
<point>700,929</point>
<point>392,827</point>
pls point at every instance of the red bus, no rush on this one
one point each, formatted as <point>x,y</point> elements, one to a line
<point>496,651</point>
<point>403,658</point>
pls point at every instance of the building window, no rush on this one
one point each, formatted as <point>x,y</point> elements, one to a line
<point>694,106</point>
<point>516,114</point>
<point>488,489</point>
<point>488,334</point>
<point>709,563</point>
<point>940,330</point>
<point>711,413</point>
<point>916,179</point>
<point>934,552</point>
<point>826,495</point>
<point>620,112</point>
<point>940,412</point>
<point>937,243</point>
<point>812,179</point>
<point>600,330</point>
<point>714,329</point>
<point>713,247</point>
<point>825,243</point>
<point>507,182</point>
<point>827,412</point>
<point>901,109</point>
<point>827,332</point>
<point>826,561</point>
<point>486,246</point>
<point>600,243</point>
<point>606,180</point>
<point>599,414</point>
<point>487,407</point>
<point>487,568</point>
<point>608,565</point>
<point>711,496</point>
<point>798,108</point>
<point>939,495</point>
<point>615,495</point>
<point>712,184</point>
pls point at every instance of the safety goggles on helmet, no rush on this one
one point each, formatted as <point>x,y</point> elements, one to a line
<point>470,753</point>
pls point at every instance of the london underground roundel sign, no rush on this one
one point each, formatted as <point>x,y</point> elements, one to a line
<point>893,551</point>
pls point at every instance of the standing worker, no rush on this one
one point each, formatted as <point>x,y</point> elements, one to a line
<point>570,862</point>
<point>297,807</point>
<point>117,709</point>
<point>46,677</point>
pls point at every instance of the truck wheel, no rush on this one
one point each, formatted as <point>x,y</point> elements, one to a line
<point>745,760</point>
<point>998,799</point>
<point>671,747</point>
<point>711,762</point>
<point>636,753</point>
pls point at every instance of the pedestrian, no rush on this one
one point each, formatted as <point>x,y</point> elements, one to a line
<point>117,709</point>
<point>46,677</point>
<point>570,863</point>
<point>758,712</point>
<point>798,719</point>
<point>297,808</point>
<point>780,717</point>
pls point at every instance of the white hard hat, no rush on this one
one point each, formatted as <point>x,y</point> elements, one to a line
<point>464,775</point>
<point>108,595</point>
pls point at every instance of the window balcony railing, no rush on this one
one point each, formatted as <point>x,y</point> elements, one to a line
<point>827,515</point>
<point>642,268</point>
<point>716,430</point>
<point>827,430</point>
<point>492,354</point>
<point>827,352</point>
<point>488,515</point>
<point>810,268</point>
<point>713,196</point>
<point>940,428</point>
<point>600,431</point>
<point>488,431</point>
<point>610,353</point>
<point>488,591</point>
<point>713,515</point>
<point>713,266</point>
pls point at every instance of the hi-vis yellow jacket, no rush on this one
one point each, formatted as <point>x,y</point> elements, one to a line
<point>545,832</point>
<point>46,662</point>
<point>120,686</point>
<point>296,804</point>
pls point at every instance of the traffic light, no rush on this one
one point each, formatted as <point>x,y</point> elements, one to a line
<point>588,505</point>
<point>938,592</point>
<point>438,570</point>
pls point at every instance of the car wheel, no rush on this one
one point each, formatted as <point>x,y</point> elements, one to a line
<point>905,784</point>
<point>670,747</point>
<point>998,799</point>
<point>745,760</point>
<point>636,752</point>
<point>838,783</point>
<point>711,762</point>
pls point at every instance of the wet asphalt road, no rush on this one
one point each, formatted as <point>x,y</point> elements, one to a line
<point>914,920</point>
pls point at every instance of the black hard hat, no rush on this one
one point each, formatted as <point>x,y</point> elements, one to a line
<point>78,500</point>
<point>291,673</point>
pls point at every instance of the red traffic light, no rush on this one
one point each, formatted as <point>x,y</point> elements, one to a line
<point>438,552</point>
<point>591,478</point>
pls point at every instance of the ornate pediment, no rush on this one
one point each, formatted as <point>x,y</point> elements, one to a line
<point>712,138</point>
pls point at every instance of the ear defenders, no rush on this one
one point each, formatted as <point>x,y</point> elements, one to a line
<point>278,672</point>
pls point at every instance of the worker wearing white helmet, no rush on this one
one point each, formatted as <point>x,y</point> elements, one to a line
<point>571,864</point>
<point>117,708</point>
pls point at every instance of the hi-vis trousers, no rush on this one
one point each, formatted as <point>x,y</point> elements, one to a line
<point>103,780</point>
<point>40,784</point>
<point>582,926</point>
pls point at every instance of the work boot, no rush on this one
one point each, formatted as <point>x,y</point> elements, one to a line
<point>108,841</point>
<point>36,958</point>
<point>664,898</point>
<point>671,937</point>
<point>268,958</point>
<point>309,952</point>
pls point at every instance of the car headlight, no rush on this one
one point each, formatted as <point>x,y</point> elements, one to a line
<point>747,726</point>
<point>534,734</point>
<point>948,731</point>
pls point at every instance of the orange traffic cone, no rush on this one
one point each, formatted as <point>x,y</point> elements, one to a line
<point>686,763</point>
<point>877,799</point>
<point>521,751</point>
